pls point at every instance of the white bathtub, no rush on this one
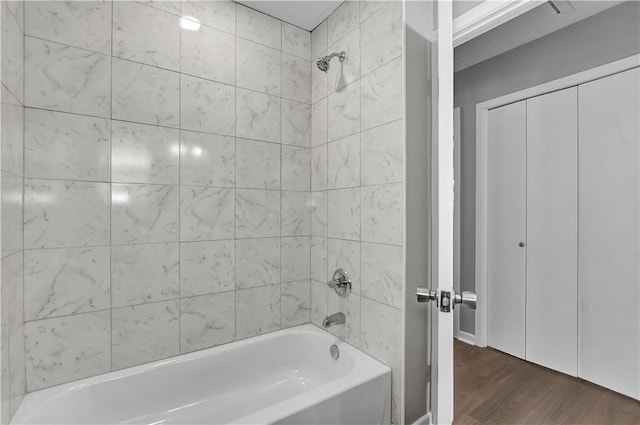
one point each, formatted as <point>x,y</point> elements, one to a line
<point>282,377</point>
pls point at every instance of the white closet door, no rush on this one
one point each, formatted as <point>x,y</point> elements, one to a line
<point>552,230</point>
<point>506,212</point>
<point>609,232</point>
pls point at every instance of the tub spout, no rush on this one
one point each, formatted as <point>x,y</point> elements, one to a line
<point>334,319</point>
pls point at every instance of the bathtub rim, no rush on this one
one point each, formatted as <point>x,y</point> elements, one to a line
<point>365,368</point>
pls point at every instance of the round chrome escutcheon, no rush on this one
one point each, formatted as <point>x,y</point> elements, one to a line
<point>334,351</point>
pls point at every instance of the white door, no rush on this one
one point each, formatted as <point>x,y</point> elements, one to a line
<point>609,264</point>
<point>551,325</point>
<point>506,227</point>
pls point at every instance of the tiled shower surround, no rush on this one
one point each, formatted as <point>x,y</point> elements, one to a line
<point>12,179</point>
<point>191,178</point>
<point>357,176</point>
<point>167,181</point>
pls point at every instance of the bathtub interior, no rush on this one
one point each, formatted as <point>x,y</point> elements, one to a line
<point>226,383</point>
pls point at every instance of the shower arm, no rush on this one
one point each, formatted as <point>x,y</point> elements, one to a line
<point>341,56</point>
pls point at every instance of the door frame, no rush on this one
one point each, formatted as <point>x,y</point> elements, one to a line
<point>482,114</point>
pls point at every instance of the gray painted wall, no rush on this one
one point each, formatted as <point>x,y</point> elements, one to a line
<point>608,36</point>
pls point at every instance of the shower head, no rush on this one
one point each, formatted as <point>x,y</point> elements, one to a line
<point>323,62</point>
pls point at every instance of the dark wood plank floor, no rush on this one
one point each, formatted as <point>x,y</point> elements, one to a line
<point>495,388</point>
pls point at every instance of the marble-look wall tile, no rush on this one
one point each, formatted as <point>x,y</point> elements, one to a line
<point>296,79</point>
<point>11,203</point>
<point>206,213</point>
<point>5,371</point>
<point>145,94</point>
<point>319,125</point>
<point>258,27</point>
<point>258,164</point>
<point>171,6</point>
<point>382,273</point>
<point>55,354</point>
<point>319,40</point>
<point>344,162</point>
<point>367,8</point>
<point>344,214</point>
<point>344,111</point>
<point>296,214</point>
<point>382,154</point>
<point>257,213</point>
<point>382,218</point>
<point>209,53</point>
<point>16,7</point>
<point>144,333</point>
<point>257,262</point>
<point>144,153</point>
<point>382,95</point>
<point>257,311</point>
<point>207,106</point>
<point>382,37</point>
<point>217,14</point>
<point>145,34</point>
<point>83,24</point>
<point>342,73</point>
<point>343,19</point>
<point>258,67</point>
<point>296,123</point>
<point>5,406</point>
<point>143,213</point>
<point>319,171</point>
<point>65,214</point>
<point>295,168</point>
<point>12,294</point>
<point>345,255</point>
<point>296,257</point>
<point>295,303</point>
<point>319,302</point>
<point>319,265</point>
<point>207,267</point>
<point>257,116</point>
<point>319,213</point>
<point>59,282</point>
<point>12,67</point>
<point>13,330</point>
<point>207,159</point>
<point>67,79</point>
<point>296,41</point>
<point>17,358</point>
<point>12,137</point>
<point>319,81</point>
<point>350,306</point>
<point>381,337</point>
<point>144,273</point>
<point>207,321</point>
<point>66,146</point>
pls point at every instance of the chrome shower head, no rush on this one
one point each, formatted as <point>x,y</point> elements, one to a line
<point>323,62</point>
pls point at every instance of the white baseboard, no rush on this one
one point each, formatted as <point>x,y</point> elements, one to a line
<point>424,420</point>
<point>466,337</point>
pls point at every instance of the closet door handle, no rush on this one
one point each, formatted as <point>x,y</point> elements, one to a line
<point>521,244</point>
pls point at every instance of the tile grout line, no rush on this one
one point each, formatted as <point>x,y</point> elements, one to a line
<point>111,191</point>
<point>179,303</point>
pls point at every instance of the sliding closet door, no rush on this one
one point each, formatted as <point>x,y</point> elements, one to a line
<point>609,271</point>
<point>552,230</point>
<point>506,215</point>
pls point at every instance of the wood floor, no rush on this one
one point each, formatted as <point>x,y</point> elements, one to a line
<point>495,388</point>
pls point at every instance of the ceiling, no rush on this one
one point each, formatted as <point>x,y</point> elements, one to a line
<point>525,28</point>
<point>306,14</point>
